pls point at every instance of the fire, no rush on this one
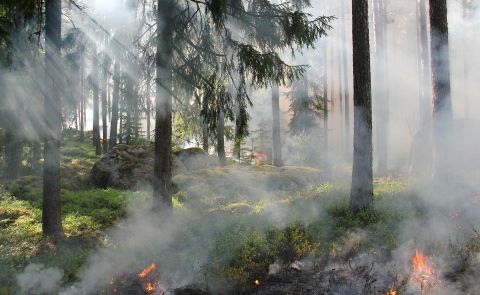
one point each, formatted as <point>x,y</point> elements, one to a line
<point>150,283</point>
<point>423,272</point>
<point>151,268</point>
<point>257,282</point>
<point>392,291</point>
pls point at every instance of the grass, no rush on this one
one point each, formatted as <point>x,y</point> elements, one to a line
<point>245,219</point>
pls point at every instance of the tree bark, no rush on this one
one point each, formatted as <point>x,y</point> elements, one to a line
<point>276,136</point>
<point>381,85</point>
<point>442,103</point>
<point>162,180</point>
<point>51,214</point>
<point>149,107</point>
<point>361,195</point>
<point>96,111</point>
<point>115,99</point>
<point>104,106</point>
<point>221,137</point>
<point>423,64</point>
<point>325,98</point>
<point>346,87</point>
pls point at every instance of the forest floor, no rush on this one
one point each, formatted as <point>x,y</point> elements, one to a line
<point>250,227</point>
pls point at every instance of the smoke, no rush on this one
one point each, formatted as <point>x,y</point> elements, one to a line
<point>36,279</point>
<point>143,236</point>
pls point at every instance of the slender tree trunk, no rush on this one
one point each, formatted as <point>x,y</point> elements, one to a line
<point>442,103</point>
<point>423,64</point>
<point>237,148</point>
<point>276,136</point>
<point>381,85</point>
<point>136,117</point>
<point>325,98</point>
<point>104,106</point>
<point>162,180</point>
<point>51,214</point>
<point>115,99</point>
<point>346,86</point>
<point>466,75</point>
<point>361,195</point>
<point>127,127</point>
<point>221,138</point>
<point>149,107</point>
<point>82,97</point>
<point>96,111</point>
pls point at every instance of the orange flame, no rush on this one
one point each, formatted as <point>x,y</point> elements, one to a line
<point>423,272</point>
<point>151,286</point>
<point>392,291</point>
<point>421,266</point>
<point>147,271</point>
<point>257,282</point>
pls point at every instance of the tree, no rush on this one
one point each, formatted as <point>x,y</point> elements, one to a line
<point>104,88</point>
<point>345,81</point>
<point>252,56</point>
<point>51,214</point>
<point>381,84</point>
<point>162,176</point>
<point>96,106</point>
<point>305,106</point>
<point>423,63</point>
<point>276,129</point>
<point>442,103</point>
<point>115,102</point>
<point>361,195</point>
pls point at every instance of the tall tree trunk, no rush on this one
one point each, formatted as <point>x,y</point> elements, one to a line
<point>136,117</point>
<point>325,98</point>
<point>442,103</point>
<point>346,86</point>
<point>115,100</point>
<point>96,111</point>
<point>221,137</point>
<point>381,85</point>
<point>276,136</point>
<point>51,214</point>
<point>104,106</point>
<point>128,126</point>
<point>423,64</point>
<point>361,195</point>
<point>82,97</point>
<point>466,75</point>
<point>149,107</point>
<point>237,147</point>
<point>162,180</point>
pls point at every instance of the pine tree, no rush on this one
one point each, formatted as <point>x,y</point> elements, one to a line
<point>361,195</point>
<point>442,103</point>
<point>51,214</point>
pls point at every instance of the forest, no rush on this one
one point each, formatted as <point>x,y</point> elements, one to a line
<point>202,147</point>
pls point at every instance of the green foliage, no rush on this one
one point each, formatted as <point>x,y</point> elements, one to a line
<point>104,207</point>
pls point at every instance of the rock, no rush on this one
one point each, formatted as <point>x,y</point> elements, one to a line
<point>195,158</point>
<point>126,167</point>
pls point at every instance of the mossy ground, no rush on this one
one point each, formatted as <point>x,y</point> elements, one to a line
<point>268,215</point>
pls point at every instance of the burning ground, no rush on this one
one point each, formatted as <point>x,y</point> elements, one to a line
<point>235,230</point>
